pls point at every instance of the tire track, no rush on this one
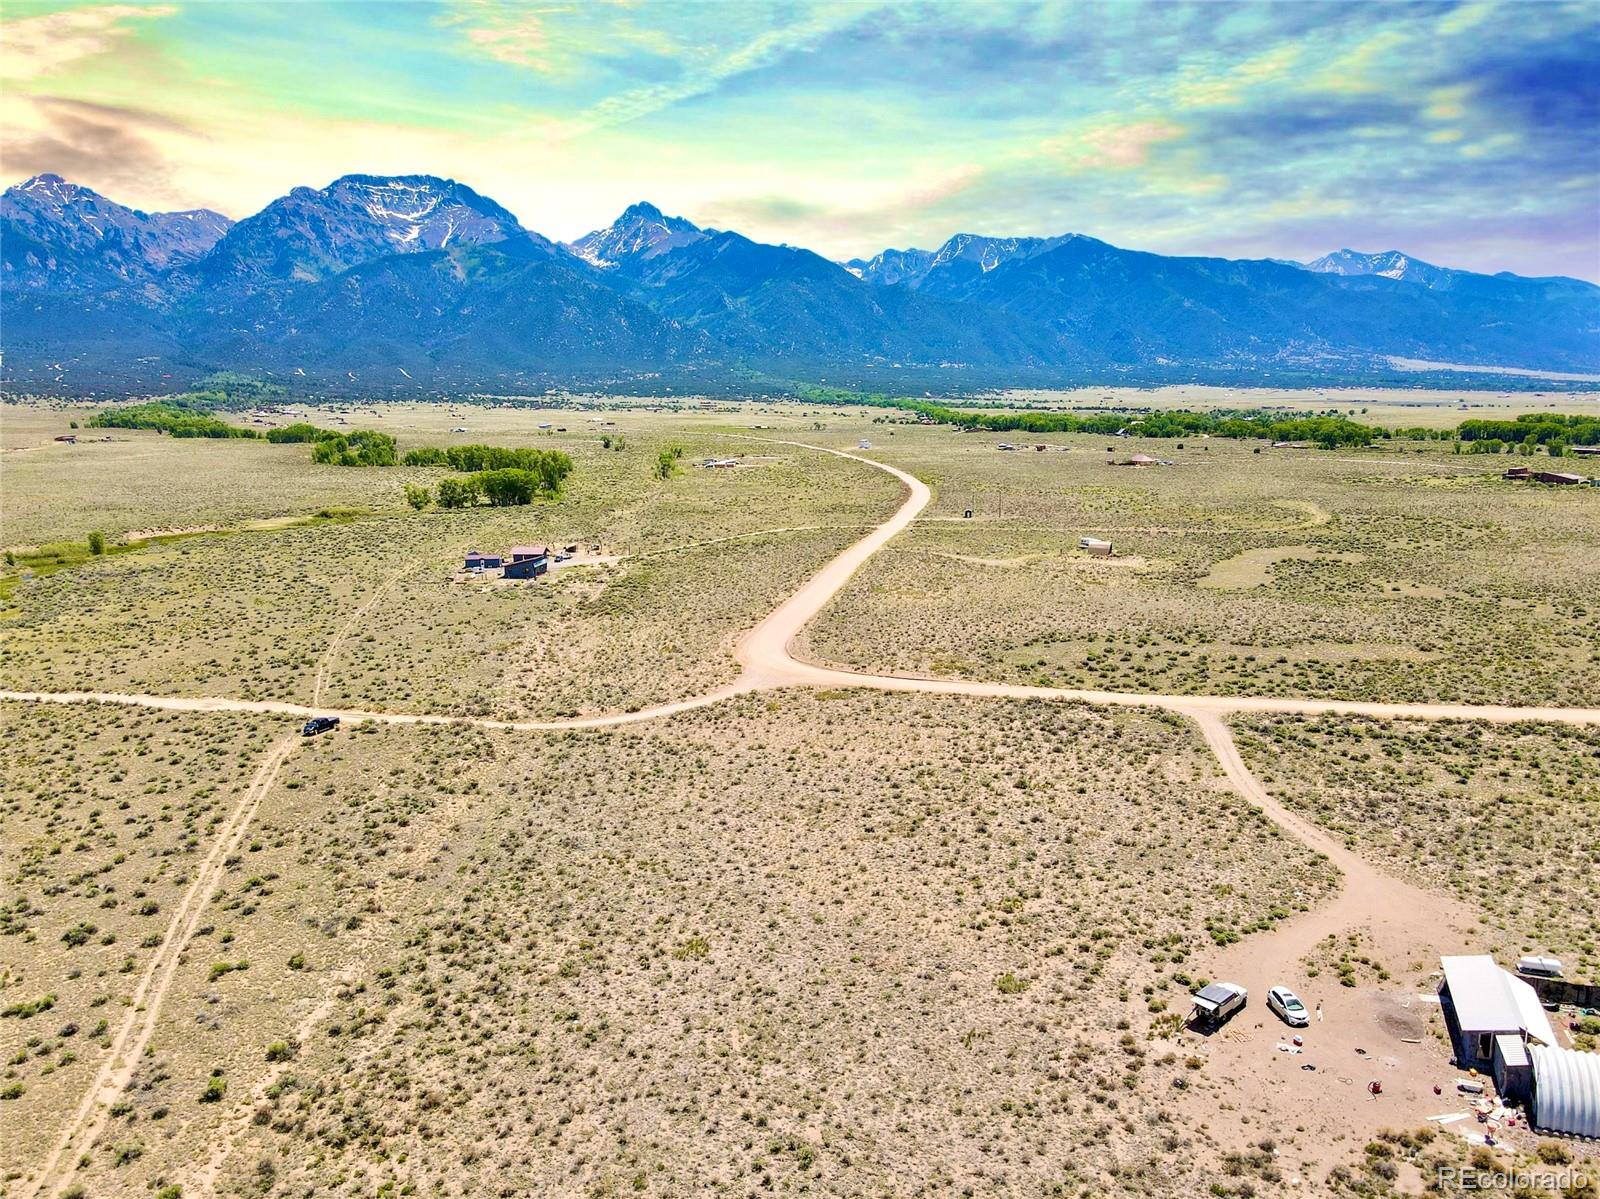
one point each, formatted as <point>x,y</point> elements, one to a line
<point>128,1046</point>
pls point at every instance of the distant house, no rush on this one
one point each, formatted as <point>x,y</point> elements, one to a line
<point>1518,472</point>
<point>1556,476</point>
<point>480,561</point>
<point>1585,451</point>
<point>1493,1017</point>
<point>527,561</point>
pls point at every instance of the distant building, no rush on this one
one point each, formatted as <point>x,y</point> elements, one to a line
<point>1556,476</point>
<point>527,562</point>
<point>1585,451</point>
<point>1093,545</point>
<point>1493,1017</point>
<point>1140,460</point>
<point>1518,472</point>
<point>480,561</point>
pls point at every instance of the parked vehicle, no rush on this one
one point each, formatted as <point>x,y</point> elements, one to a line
<point>1540,967</point>
<point>1288,1007</point>
<point>1216,1002</point>
<point>318,724</point>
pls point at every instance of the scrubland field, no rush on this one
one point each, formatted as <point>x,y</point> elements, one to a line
<point>254,613</point>
<point>812,942</point>
<point>808,940</point>
<point>1507,817</point>
<point>1399,574</point>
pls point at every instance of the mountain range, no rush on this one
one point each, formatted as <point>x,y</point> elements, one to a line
<point>401,282</point>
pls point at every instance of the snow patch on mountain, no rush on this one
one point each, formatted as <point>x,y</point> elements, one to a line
<point>643,231</point>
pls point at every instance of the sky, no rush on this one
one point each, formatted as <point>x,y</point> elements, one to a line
<point>1461,133</point>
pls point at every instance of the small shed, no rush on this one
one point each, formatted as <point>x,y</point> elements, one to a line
<point>1093,545</point>
<point>1513,1073</point>
<point>1518,472</point>
<point>1566,1091</point>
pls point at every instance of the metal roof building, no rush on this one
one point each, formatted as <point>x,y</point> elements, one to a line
<point>1488,1010</point>
<point>1566,1091</point>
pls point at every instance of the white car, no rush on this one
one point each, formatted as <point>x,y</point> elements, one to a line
<point>1288,1006</point>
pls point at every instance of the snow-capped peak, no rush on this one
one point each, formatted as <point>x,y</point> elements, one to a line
<point>1391,264</point>
<point>643,231</point>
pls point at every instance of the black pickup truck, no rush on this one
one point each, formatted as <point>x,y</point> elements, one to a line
<point>319,724</point>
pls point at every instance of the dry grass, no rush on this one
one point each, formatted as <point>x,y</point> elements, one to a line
<point>106,814</point>
<point>1391,576</point>
<point>847,945</point>
<point>250,614</point>
<point>1508,817</point>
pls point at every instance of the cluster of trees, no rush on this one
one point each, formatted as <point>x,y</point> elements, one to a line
<point>549,468</point>
<point>507,487</point>
<point>359,447</point>
<point>298,432</point>
<point>1554,431</point>
<point>1325,431</point>
<point>176,417</point>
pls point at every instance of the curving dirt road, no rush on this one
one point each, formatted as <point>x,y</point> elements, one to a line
<point>766,658</point>
<point>1393,912</point>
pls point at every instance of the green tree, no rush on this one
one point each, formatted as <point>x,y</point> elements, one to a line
<point>97,543</point>
<point>509,487</point>
<point>667,462</point>
<point>459,492</point>
<point>417,496</point>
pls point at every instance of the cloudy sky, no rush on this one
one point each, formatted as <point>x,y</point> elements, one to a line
<point>1462,133</point>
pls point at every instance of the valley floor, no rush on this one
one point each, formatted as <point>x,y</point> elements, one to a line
<point>622,885</point>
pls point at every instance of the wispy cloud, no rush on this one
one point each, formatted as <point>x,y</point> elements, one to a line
<point>46,43</point>
<point>1281,129</point>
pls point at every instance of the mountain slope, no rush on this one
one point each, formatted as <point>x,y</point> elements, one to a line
<point>61,236</point>
<point>457,314</point>
<point>1391,264</point>
<point>416,277</point>
<point>642,232</point>
<point>313,234</point>
<point>1103,304</point>
<point>778,303</point>
<point>892,267</point>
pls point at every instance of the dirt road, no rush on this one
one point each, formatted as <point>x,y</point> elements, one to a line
<point>1400,920</point>
<point>765,655</point>
<point>128,1046</point>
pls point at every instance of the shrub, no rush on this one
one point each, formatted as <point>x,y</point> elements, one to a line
<point>175,417</point>
<point>97,543</point>
<point>361,447</point>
